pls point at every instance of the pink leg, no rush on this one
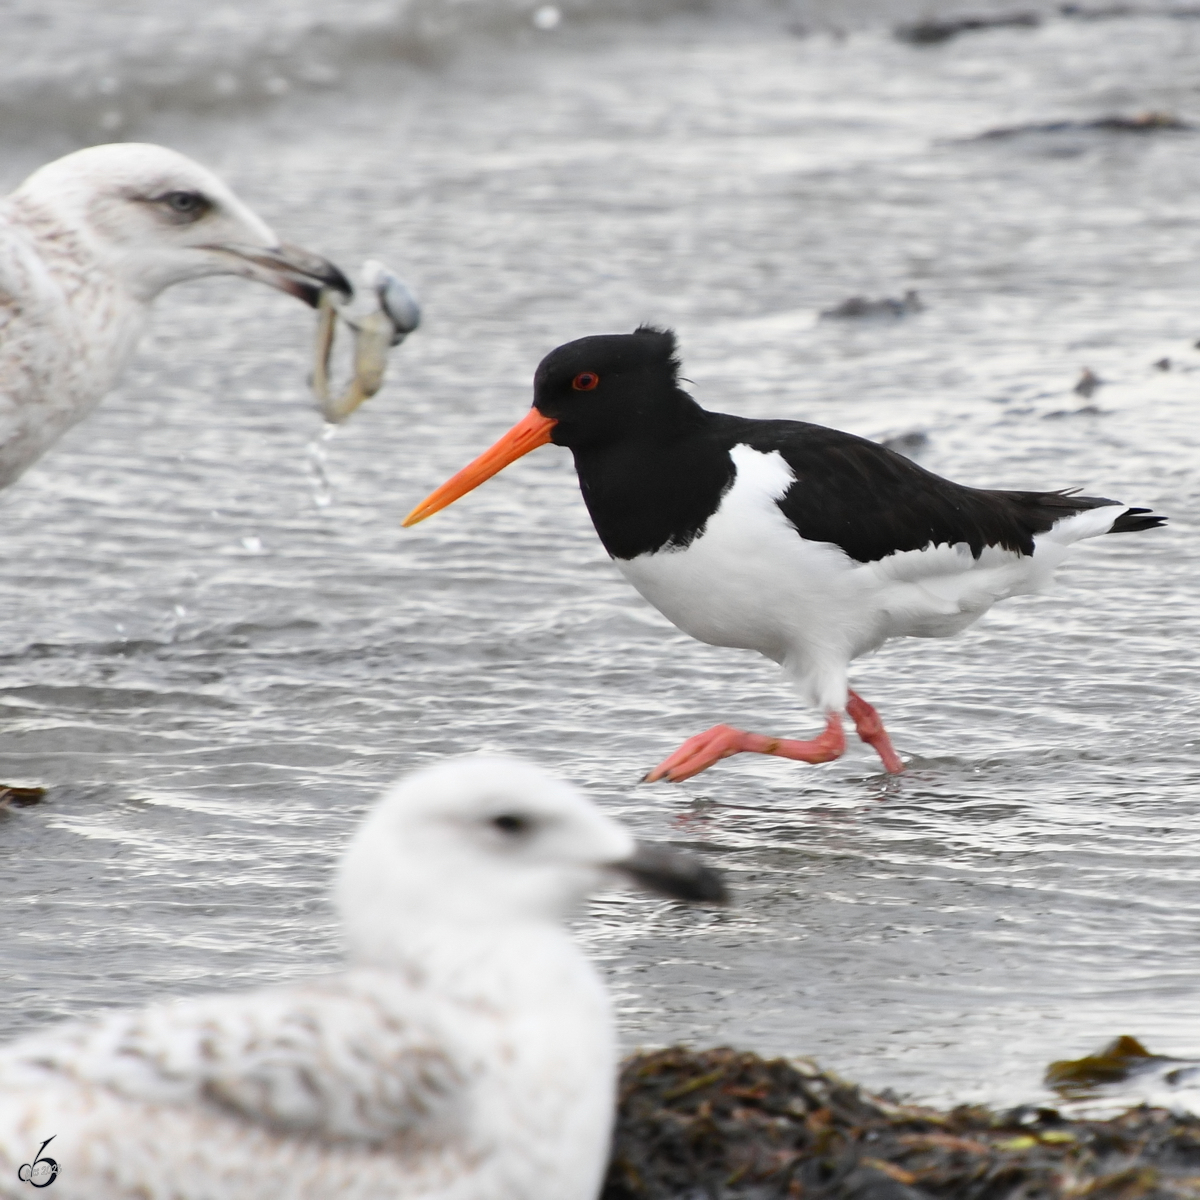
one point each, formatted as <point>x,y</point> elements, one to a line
<point>699,753</point>
<point>870,729</point>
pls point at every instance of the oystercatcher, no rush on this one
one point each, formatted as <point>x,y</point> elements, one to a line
<point>809,545</point>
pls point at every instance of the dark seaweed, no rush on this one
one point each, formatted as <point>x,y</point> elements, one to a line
<point>1147,122</point>
<point>13,796</point>
<point>1081,12</point>
<point>909,444</point>
<point>934,30</point>
<point>863,306</point>
<point>728,1125</point>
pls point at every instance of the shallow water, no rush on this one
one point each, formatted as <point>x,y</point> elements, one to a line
<point>216,674</point>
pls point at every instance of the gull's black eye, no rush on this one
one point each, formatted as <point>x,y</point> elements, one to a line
<point>185,206</point>
<point>511,824</point>
<point>585,381</point>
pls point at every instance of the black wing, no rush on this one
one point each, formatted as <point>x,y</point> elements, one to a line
<point>873,502</point>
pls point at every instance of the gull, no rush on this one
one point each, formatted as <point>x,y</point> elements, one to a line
<point>466,1052</point>
<point>86,244</point>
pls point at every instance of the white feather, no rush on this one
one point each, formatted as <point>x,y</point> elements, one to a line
<point>750,581</point>
<point>82,257</point>
<point>467,1053</point>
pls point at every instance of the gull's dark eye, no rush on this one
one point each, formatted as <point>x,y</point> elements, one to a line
<point>185,206</point>
<point>512,825</point>
<point>585,381</point>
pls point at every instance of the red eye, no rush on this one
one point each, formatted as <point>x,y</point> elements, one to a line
<point>585,381</point>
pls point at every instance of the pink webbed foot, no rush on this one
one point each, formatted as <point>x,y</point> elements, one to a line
<point>700,752</point>
<point>870,728</point>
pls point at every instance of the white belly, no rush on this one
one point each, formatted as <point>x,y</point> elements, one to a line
<point>750,581</point>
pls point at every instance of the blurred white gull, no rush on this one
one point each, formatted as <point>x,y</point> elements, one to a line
<point>86,244</point>
<point>466,1053</point>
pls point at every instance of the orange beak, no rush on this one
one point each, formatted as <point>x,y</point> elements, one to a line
<point>527,434</point>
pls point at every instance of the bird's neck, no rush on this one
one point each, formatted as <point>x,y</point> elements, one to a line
<point>526,963</point>
<point>656,488</point>
<point>107,319</point>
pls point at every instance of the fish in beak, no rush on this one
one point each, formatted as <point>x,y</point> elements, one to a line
<point>673,873</point>
<point>288,268</point>
<point>527,434</point>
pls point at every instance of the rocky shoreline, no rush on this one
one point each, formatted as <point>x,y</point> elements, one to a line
<point>728,1125</point>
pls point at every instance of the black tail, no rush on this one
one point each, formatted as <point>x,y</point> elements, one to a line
<point>1133,520</point>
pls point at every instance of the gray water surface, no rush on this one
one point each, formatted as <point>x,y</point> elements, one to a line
<point>216,675</point>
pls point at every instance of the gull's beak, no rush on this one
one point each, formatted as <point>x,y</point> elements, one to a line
<point>673,873</point>
<point>527,434</point>
<point>288,268</point>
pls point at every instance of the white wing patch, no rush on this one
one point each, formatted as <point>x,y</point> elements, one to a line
<point>763,476</point>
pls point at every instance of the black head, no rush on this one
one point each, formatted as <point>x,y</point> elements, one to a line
<point>599,396</point>
<point>599,389</point>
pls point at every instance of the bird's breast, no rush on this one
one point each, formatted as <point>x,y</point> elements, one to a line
<point>748,579</point>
